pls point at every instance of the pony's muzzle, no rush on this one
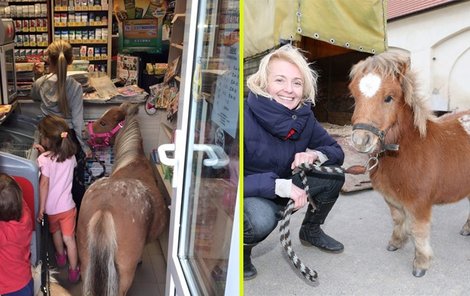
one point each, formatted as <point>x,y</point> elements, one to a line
<point>364,141</point>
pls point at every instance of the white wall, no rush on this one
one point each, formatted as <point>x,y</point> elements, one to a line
<point>438,42</point>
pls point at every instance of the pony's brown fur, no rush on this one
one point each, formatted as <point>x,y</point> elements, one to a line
<point>432,163</point>
<point>119,215</point>
<point>55,288</point>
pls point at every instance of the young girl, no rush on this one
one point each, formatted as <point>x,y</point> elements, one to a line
<point>61,95</point>
<point>16,230</point>
<point>56,164</point>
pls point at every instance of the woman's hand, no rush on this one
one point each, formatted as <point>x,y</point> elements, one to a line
<point>304,157</point>
<point>299,196</point>
<point>38,69</point>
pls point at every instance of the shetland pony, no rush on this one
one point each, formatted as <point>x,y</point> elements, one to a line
<point>119,215</point>
<point>417,160</point>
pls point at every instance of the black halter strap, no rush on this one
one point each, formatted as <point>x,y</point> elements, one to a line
<point>380,134</point>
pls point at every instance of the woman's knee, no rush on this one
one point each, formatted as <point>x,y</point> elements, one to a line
<point>259,221</point>
<point>331,190</point>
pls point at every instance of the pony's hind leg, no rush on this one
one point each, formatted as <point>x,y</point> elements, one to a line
<point>400,229</point>
<point>466,227</point>
<point>420,231</point>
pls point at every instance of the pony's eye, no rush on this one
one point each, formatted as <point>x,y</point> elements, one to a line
<point>102,123</point>
<point>388,99</point>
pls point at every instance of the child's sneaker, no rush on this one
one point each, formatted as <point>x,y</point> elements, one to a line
<point>61,260</point>
<point>74,274</point>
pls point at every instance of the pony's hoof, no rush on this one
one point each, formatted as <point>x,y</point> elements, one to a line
<point>465,232</point>
<point>391,248</point>
<point>418,272</point>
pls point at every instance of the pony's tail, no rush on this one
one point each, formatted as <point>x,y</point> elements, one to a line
<point>102,278</point>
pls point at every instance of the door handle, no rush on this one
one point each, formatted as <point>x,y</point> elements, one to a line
<point>162,150</point>
<point>217,156</point>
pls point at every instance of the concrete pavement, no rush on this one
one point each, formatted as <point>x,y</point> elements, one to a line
<point>362,222</point>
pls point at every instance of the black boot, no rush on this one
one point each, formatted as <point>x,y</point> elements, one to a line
<point>249,270</point>
<point>311,233</point>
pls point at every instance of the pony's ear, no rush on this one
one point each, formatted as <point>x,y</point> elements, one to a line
<point>132,109</point>
<point>404,66</point>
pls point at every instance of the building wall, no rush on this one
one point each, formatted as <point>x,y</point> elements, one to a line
<point>438,42</point>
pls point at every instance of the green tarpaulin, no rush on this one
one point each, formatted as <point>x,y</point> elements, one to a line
<point>355,24</point>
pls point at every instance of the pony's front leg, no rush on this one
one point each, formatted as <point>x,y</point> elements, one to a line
<point>400,230</point>
<point>420,231</point>
<point>466,227</point>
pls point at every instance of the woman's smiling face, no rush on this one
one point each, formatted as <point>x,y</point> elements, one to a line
<point>285,83</point>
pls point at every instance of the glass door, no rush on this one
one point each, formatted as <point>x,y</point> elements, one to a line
<point>204,232</point>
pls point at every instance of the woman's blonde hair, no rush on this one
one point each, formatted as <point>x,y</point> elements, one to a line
<point>258,82</point>
<point>60,56</point>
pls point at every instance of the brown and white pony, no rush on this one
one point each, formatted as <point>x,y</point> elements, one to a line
<point>119,215</point>
<point>417,160</point>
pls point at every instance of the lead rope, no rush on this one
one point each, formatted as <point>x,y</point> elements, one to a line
<point>45,275</point>
<point>285,239</point>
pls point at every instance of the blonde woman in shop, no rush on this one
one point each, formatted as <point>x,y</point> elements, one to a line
<point>62,96</point>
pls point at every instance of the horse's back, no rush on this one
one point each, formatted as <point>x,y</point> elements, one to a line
<point>125,198</point>
<point>125,205</point>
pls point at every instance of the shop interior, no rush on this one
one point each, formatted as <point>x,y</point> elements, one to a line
<point>124,51</point>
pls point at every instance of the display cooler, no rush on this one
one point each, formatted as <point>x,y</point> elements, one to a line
<point>18,159</point>
<point>7,61</point>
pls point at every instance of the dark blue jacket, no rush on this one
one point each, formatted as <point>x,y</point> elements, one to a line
<point>268,155</point>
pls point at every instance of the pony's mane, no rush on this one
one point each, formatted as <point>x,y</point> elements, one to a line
<point>394,65</point>
<point>128,143</point>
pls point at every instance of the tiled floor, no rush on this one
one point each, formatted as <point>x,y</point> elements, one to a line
<point>149,278</point>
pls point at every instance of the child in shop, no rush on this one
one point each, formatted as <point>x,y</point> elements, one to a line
<point>56,164</point>
<point>16,230</point>
<point>62,95</point>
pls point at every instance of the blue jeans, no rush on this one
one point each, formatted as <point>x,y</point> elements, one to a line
<point>261,215</point>
<point>27,290</point>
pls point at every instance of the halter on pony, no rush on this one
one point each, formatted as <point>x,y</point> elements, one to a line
<point>105,136</point>
<point>379,133</point>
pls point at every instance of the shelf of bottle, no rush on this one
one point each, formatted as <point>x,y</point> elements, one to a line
<point>25,17</point>
<point>33,30</point>
<point>91,59</point>
<point>32,44</point>
<point>88,41</point>
<point>24,2</point>
<point>81,8</point>
<point>79,24</point>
